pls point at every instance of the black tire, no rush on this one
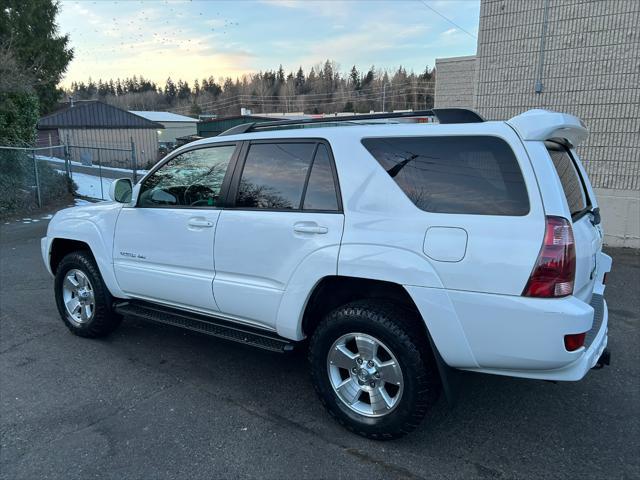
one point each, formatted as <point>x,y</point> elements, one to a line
<point>104,319</point>
<point>394,325</point>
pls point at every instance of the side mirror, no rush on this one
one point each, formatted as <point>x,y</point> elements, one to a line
<point>120,190</point>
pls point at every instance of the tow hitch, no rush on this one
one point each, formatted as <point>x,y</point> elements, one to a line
<point>605,359</point>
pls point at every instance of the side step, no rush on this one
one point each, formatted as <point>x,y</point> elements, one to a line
<point>208,325</point>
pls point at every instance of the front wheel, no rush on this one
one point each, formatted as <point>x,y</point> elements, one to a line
<point>82,298</point>
<point>372,369</point>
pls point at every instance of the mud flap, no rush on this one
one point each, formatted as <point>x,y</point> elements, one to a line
<point>450,377</point>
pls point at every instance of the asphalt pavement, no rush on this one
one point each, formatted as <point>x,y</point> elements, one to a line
<point>152,401</point>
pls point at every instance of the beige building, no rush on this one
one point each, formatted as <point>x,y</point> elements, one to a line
<point>98,133</point>
<point>173,126</point>
<point>576,56</point>
<point>457,76</point>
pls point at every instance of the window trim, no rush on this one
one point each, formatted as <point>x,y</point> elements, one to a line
<point>225,181</point>
<point>440,135</point>
<point>232,194</point>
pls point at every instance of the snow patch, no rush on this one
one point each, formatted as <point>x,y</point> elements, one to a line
<point>95,167</point>
<point>89,185</point>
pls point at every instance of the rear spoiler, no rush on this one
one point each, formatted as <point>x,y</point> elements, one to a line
<point>544,125</point>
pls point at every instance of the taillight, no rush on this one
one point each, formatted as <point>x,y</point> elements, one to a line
<point>555,270</point>
<point>574,341</point>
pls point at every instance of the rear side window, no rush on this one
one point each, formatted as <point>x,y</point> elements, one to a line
<point>455,174</point>
<point>321,191</point>
<point>274,175</point>
<point>569,177</point>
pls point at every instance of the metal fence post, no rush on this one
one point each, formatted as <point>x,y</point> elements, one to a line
<point>100,174</point>
<point>67,158</point>
<point>134,162</point>
<point>35,171</point>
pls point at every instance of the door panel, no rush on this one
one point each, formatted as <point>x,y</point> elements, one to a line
<point>257,253</point>
<point>284,208</point>
<point>163,247</point>
<point>159,254</point>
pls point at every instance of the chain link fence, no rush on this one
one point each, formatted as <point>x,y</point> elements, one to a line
<point>27,183</point>
<point>35,178</point>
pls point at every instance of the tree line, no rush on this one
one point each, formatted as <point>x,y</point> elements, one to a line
<point>323,89</point>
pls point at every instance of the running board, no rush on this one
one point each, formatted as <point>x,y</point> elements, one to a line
<point>209,325</point>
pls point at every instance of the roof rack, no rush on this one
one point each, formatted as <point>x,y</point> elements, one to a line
<point>444,115</point>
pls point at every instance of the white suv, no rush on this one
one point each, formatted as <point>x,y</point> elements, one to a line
<point>398,250</point>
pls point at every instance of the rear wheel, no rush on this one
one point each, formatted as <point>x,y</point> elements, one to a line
<point>372,369</point>
<point>83,301</point>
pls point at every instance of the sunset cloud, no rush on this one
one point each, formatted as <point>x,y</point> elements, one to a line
<point>188,40</point>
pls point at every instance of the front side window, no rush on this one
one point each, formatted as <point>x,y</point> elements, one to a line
<point>274,175</point>
<point>191,179</point>
<point>454,174</point>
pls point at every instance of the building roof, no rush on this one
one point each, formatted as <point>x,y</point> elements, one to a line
<point>162,116</point>
<point>248,118</point>
<point>94,114</point>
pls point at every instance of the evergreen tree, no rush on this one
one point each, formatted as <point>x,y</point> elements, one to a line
<point>300,82</point>
<point>170,91</point>
<point>29,27</point>
<point>354,78</point>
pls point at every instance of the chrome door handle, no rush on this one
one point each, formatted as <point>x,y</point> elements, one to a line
<point>309,228</point>
<point>200,223</point>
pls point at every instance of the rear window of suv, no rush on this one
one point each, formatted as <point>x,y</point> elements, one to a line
<point>571,181</point>
<point>454,174</point>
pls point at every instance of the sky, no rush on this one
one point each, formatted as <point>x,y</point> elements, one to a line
<point>196,39</point>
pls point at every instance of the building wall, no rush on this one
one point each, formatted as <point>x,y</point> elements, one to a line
<point>584,58</point>
<point>455,82</point>
<point>589,68</point>
<point>144,139</point>
<point>173,130</point>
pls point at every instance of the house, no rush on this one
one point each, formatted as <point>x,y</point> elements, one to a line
<point>173,125</point>
<point>101,133</point>
<point>574,56</point>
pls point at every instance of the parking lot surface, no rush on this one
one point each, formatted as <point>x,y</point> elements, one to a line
<point>151,401</point>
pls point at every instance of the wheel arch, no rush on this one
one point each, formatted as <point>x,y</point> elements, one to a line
<point>336,290</point>
<point>63,244</point>
<point>61,247</point>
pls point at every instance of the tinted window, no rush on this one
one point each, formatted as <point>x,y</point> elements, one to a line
<point>191,179</point>
<point>569,177</point>
<point>321,190</point>
<point>274,174</point>
<point>471,174</point>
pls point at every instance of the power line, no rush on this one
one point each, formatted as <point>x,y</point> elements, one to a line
<point>447,19</point>
<point>257,100</point>
<point>402,88</point>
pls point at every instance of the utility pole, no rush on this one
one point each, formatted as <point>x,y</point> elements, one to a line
<point>384,95</point>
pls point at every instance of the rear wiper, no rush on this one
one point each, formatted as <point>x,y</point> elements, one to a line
<point>395,170</point>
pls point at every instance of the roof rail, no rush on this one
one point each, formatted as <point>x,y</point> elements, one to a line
<point>444,115</point>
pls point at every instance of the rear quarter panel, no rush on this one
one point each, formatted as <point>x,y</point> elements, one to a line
<point>381,221</point>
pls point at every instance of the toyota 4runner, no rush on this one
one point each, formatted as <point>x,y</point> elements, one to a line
<point>396,251</point>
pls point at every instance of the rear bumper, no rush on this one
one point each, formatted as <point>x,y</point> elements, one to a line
<point>587,356</point>
<point>516,336</point>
